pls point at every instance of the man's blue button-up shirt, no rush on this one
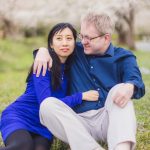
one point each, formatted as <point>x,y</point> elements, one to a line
<point>101,73</point>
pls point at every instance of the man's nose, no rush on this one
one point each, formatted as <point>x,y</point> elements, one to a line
<point>84,41</point>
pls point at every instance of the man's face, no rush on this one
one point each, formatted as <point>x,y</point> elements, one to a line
<point>92,41</point>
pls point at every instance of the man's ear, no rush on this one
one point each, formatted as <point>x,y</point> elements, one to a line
<point>108,37</point>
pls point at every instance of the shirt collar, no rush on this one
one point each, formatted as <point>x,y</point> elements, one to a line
<point>109,51</point>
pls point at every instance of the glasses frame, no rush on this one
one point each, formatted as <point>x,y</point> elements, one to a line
<point>89,39</point>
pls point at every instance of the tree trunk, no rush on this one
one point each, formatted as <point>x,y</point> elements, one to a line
<point>125,28</point>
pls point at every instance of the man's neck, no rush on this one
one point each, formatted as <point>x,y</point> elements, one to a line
<point>104,49</point>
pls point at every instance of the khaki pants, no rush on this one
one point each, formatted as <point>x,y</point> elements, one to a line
<point>110,124</point>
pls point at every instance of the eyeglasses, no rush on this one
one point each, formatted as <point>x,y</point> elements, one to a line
<point>87,38</point>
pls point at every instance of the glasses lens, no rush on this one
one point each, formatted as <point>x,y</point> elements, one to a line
<point>81,37</point>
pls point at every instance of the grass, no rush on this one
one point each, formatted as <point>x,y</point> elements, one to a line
<point>15,60</point>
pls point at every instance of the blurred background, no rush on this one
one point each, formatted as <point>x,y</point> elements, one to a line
<point>20,18</point>
<point>24,26</point>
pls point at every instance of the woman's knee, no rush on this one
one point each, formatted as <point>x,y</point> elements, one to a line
<point>42,143</point>
<point>19,139</point>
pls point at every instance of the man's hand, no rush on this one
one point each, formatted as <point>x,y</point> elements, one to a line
<point>123,94</point>
<point>91,95</point>
<point>42,60</point>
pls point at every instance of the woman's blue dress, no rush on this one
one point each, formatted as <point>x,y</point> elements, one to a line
<point>23,113</point>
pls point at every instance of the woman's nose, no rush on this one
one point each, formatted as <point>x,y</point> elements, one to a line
<point>64,42</point>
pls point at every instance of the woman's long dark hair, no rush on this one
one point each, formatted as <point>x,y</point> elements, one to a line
<point>56,67</point>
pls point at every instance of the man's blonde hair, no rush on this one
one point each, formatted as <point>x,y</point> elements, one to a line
<point>102,21</point>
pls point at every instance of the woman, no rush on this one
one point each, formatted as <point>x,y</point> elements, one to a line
<point>20,125</point>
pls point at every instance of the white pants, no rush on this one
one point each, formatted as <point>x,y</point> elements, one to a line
<point>110,124</point>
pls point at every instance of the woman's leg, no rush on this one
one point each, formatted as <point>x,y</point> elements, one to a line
<point>41,143</point>
<point>19,140</point>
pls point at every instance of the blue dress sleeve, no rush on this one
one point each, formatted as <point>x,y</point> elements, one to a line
<point>42,86</point>
<point>72,100</point>
<point>43,90</point>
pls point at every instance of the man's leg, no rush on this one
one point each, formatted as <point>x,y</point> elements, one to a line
<point>66,125</point>
<point>123,146</point>
<point>122,124</point>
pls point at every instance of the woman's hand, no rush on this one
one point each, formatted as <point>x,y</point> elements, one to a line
<point>91,95</point>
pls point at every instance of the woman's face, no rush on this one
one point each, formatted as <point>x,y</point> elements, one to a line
<point>63,44</point>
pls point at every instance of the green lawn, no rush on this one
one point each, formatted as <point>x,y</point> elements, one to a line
<point>16,58</point>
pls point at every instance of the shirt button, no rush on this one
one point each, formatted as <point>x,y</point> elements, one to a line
<point>98,89</point>
<point>91,67</point>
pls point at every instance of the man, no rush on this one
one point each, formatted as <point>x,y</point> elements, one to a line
<point>100,66</point>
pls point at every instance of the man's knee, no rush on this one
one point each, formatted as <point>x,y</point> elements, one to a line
<point>49,105</point>
<point>109,100</point>
<point>47,109</point>
<point>116,87</point>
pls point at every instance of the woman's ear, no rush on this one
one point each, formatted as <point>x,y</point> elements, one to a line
<point>51,45</point>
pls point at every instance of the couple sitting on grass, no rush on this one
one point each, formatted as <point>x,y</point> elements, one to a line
<point>82,98</point>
